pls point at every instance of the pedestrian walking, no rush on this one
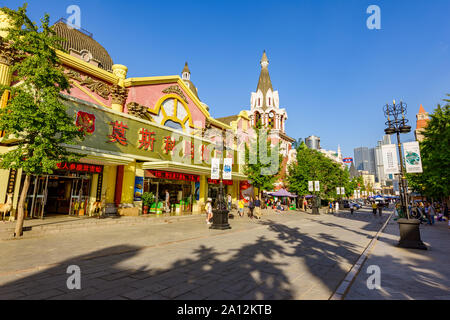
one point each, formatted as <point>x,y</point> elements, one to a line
<point>258,212</point>
<point>380,208</point>
<point>431,212</point>
<point>167,201</point>
<point>251,207</point>
<point>241,208</point>
<point>209,213</point>
<point>374,208</point>
<point>337,206</point>
<point>305,204</point>
<point>351,208</point>
<point>330,207</point>
<point>229,202</point>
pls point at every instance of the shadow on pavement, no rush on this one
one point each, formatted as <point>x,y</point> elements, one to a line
<point>266,269</point>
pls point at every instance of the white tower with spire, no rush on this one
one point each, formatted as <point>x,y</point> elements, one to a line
<point>265,108</point>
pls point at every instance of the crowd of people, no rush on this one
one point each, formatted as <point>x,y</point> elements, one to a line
<point>253,206</point>
<point>427,211</point>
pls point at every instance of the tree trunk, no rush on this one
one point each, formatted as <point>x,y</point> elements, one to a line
<point>21,207</point>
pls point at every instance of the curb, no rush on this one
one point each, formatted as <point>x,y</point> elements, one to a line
<point>345,285</point>
<point>41,230</point>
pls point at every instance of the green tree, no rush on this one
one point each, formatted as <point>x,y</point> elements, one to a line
<point>262,169</point>
<point>35,114</point>
<point>434,182</point>
<point>311,165</point>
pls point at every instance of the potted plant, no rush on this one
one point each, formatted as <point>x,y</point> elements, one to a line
<point>147,200</point>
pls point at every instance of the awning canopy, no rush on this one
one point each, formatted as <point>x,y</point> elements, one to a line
<point>184,168</point>
<point>283,193</point>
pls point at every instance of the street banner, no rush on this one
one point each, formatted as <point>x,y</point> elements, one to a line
<point>390,159</point>
<point>215,168</point>
<point>355,194</point>
<point>310,186</point>
<point>342,190</point>
<point>413,161</point>
<point>359,194</point>
<point>317,185</point>
<point>227,165</point>
<point>338,190</point>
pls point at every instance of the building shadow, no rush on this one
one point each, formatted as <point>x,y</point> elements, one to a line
<point>268,268</point>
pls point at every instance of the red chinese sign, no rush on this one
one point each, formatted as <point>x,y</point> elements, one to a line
<point>225,182</point>
<point>86,122</point>
<point>147,140</point>
<point>118,133</point>
<point>171,175</point>
<point>80,167</point>
<point>169,144</point>
<point>189,150</point>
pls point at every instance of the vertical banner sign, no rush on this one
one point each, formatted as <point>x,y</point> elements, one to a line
<point>390,159</point>
<point>359,194</point>
<point>138,188</point>
<point>227,165</point>
<point>197,191</point>
<point>310,186</point>
<point>355,194</point>
<point>342,190</point>
<point>11,183</point>
<point>99,187</point>
<point>338,190</point>
<point>317,185</point>
<point>413,161</point>
<point>215,168</point>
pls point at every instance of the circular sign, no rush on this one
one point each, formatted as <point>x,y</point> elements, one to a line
<point>412,158</point>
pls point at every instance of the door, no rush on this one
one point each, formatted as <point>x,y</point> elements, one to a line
<point>37,197</point>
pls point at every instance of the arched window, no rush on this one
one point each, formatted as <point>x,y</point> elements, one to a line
<point>271,120</point>
<point>257,118</point>
<point>259,102</point>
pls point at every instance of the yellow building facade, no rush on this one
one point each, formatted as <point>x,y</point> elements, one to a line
<point>145,135</point>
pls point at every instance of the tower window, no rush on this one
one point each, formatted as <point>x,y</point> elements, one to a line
<point>259,102</point>
<point>269,101</point>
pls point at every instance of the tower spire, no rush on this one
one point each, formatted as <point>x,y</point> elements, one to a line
<point>186,73</point>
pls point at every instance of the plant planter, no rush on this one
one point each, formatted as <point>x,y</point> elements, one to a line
<point>410,234</point>
<point>145,210</point>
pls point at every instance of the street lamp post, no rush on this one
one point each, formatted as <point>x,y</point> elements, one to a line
<point>220,211</point>
<point>409,228</point>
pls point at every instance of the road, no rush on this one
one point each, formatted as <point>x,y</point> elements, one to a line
<point>291,256</point>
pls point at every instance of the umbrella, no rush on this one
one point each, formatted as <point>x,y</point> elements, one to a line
<point>283,193</point>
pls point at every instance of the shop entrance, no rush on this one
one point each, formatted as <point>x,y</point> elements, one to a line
<point>58,195</point>
<point>179,186</point>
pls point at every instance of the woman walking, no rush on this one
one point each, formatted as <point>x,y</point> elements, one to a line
<point>209,212</point>
<point>241,208</point>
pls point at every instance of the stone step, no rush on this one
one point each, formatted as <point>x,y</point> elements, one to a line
<point>7,231</point>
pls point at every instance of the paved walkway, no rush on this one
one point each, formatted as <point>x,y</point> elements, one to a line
<point>408,274</point>
<point>282,256</point>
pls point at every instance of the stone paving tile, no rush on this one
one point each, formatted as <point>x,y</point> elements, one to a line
<point>245,262</point>
<point>43,295</point>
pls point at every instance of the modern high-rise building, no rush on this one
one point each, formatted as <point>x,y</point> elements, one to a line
<point>380,177</point>
<point>362,158</point>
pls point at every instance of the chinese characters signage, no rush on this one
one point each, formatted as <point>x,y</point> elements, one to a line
<point>225,182</point>
<point>80,167</point>
<point>171,175</point>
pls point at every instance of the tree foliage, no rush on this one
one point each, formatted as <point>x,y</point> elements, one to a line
<point>262,173</point>
<point>435,179</point>
<point>311,165</point>
<point>35,116</point>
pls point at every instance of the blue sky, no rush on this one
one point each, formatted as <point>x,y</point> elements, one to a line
<point>333,74</point>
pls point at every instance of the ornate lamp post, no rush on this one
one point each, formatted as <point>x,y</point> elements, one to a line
<point>409,228</point>
<point>220,211</point>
